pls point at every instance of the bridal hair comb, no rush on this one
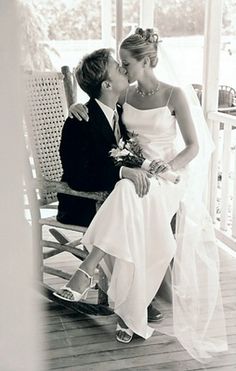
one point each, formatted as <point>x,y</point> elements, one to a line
<point>148,35</point>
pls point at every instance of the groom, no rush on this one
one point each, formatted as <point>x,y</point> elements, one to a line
<point>85,146</point>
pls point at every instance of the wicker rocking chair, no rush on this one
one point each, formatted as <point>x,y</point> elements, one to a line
<point>226,100</point>
<point>45,113</point>
<point>198,90</point>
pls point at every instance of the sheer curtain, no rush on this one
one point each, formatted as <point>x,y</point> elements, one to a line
<point>197,315</point>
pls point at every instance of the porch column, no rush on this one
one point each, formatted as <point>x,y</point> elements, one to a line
<point>119,24</point>
<point>147,13</point>
<point>106,10</point>
<point>211,63</point>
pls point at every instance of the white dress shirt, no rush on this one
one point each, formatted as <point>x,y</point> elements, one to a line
<point>109,113</point>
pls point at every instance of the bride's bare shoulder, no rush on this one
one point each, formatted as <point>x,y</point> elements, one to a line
<point>169,91</point>
<point>166,88</point>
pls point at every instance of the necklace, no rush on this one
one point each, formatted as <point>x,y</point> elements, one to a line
<point>148,93</point>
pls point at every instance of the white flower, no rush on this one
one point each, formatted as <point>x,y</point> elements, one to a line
<point>115,152</point>
<point>121,143</point>
<point>124,153</point>
<point>127,145</point>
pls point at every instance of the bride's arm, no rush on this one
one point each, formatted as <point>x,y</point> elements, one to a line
<point>80,110</point>
<point>179,105</point>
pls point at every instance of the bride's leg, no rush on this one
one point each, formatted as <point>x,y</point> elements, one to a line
<point>79,281</point>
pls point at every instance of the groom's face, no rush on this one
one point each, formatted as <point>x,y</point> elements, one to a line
<point>117,76</point>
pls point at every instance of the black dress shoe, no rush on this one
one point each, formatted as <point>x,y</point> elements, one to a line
<point>154,315</point>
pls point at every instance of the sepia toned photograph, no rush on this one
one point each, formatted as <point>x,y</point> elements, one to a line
<point>118,185</point>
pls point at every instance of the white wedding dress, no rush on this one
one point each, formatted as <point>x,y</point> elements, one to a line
<point>137,235</point>
<point>137,231</point>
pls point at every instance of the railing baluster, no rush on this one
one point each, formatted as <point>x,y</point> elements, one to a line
<point>234,201</point>
<point>228,237</point>
<point>225,177</point>
<point>214,171</point>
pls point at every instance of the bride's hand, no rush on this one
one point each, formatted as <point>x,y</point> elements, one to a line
<point>159,166</point>
<point>80,111</point>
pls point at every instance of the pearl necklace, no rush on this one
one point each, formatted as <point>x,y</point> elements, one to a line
<point>148,93</point>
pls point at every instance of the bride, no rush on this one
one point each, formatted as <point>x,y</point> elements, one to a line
<point>131,236</point>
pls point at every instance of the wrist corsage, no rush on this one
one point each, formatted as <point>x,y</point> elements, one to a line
<point>129,153</point>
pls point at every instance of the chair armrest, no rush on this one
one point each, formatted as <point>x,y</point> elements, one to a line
<point>62,187</point>
<point>227,109</point>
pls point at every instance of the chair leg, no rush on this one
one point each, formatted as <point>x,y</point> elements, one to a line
<point>102,296</point>
<point>80,307</point>
<point>63,240</point>
<point>37,234</point>
<point>60,237</point>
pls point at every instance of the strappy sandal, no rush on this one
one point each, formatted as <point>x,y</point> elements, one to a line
<point>77,296</point>
<point>120,330</point>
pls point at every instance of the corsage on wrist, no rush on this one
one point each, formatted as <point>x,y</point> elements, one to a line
<point>129,153</point>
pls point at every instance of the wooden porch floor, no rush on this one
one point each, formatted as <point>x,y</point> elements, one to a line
<point>80,342</point>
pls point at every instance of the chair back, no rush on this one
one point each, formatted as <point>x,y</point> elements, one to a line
<point>45,114</point>
<point>226,96</point>
<point>198,90</point>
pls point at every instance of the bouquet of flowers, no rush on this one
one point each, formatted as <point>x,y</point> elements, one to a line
<point>129,153</point>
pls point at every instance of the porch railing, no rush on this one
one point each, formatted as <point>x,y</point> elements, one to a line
<point>222,186</point>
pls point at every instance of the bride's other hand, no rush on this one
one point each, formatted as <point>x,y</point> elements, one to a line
<point>159,166</point>
<point>140,179</point>
<point>79,111</point>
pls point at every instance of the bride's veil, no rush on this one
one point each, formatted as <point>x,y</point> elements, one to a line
<point>198,316</point>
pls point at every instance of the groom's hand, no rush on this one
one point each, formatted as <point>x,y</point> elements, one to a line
<point>139,177</point>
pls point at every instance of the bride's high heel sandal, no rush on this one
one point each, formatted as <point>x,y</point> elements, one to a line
<point>120,330</point>
<point>76,296</point>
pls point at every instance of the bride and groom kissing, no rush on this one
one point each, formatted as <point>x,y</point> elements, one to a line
<point>130,236</point>
<point>85,146</point>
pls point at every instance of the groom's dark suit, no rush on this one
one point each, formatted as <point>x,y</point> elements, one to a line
<point>87,165</point>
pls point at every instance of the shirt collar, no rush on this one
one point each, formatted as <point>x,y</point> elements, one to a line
<point>108,111</point>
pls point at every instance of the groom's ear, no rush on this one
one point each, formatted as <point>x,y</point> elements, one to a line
<point>106,85</point>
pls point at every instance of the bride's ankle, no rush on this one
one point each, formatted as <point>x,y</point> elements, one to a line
<point>121,323</point>
<point>80,280</point>
<point>88,269</point>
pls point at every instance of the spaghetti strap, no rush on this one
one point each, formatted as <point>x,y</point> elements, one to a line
<point>170,96</point>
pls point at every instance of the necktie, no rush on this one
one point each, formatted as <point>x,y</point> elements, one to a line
<point>116,127</point>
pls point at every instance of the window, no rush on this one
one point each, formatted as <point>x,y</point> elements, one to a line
<point>181,27</point>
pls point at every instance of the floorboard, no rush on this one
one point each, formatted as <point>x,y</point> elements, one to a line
<point>75,341</point>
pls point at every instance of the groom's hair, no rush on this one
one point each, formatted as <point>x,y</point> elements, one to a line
<point>92,71</point>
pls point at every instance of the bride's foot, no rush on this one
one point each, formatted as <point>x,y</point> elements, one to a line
<point>77,288</point>
<point>123,333</point>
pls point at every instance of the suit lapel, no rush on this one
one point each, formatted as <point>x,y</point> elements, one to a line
<point>100,122</point>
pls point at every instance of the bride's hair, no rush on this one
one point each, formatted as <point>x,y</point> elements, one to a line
<point>142,43</point>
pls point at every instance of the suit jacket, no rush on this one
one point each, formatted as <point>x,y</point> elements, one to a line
<point>86,163</point>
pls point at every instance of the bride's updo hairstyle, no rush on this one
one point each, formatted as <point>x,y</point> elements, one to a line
<point>141,44</point>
